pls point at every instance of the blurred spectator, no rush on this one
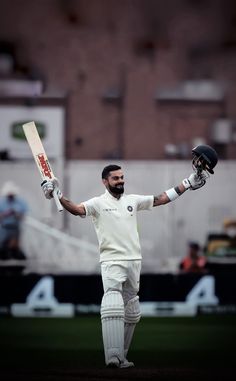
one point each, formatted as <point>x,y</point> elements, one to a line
<point>12,211</point>
<point>230,228</point>
<point>193,261</point>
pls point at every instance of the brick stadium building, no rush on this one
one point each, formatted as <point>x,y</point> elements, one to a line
<point>142,80</point>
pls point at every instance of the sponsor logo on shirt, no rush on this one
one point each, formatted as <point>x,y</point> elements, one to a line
<point>110,210</point>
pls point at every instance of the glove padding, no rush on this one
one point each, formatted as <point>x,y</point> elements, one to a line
<point>194,181</point>
<point>48,186</point>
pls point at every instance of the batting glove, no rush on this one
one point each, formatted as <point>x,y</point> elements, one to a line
<point>194,182</point>
<point>56,187</point>
<point>48,186</point>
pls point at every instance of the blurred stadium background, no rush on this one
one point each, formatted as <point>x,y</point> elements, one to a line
<point>134,82</point>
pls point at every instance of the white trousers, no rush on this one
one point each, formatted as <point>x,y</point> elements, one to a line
<point>122,276</point>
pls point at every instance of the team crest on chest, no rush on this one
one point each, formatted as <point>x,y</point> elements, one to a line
<point>130,208</point>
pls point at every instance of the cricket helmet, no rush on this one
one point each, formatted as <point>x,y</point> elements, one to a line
<point>205,158</point>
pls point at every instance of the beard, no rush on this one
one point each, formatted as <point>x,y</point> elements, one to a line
<point>118,189</point>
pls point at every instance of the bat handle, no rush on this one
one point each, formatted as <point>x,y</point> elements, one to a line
<point>57,201</point>
<point>199,171</point>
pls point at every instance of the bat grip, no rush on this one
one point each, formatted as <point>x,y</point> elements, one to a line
<point>57,201</point>
<point>199,171</point>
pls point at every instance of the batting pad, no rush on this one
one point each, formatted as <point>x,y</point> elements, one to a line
<point>132,311</point>
<point>112,316</point>
<point>132,317</point>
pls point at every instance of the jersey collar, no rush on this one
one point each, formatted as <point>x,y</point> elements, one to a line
<point>109,195</point>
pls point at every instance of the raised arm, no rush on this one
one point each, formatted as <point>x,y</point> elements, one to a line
<point>75,209</point>
<point>193,182</point>
<point>166,196</point>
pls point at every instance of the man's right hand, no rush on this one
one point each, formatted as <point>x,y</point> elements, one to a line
<point>48,186</point>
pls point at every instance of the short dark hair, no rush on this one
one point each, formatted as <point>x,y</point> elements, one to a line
<point>194,245</point>
<point>109,168</point>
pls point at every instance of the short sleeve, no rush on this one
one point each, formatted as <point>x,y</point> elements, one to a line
<point>144,202</point>
<point>91,207</point>
<point>23,206</point>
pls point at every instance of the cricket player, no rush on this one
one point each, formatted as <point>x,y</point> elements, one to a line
<point>114,215</point>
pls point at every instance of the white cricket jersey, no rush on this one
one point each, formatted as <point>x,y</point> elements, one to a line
<point>115,222</point>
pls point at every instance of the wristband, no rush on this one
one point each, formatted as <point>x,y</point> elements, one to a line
<point>186,184</point>
<point>172,194</point>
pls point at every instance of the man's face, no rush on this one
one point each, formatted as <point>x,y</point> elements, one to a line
<point>193,253</point>
<point>115,182</point>
<point>11,197</point>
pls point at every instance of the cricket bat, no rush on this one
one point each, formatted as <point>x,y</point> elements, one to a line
<point>40,156</point>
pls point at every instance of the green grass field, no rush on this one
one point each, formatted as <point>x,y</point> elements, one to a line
<point>72,344</point>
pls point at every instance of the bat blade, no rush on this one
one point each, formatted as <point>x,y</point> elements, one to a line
<point>40,157</point>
